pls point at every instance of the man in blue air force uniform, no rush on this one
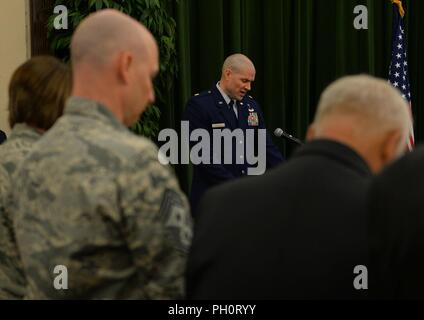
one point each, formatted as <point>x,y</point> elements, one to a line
<point>227,106</point>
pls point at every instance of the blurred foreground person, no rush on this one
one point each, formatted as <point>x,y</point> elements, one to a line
<point>300,231</point>
<point>97,216</point>
<point>37,93</point>
<point>3,137</point>
<point>397,229</point>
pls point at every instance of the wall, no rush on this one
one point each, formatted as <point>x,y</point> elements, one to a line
<point>14,47</point>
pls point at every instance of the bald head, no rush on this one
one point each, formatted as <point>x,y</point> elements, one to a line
<point>237,62</point>
<point>114,60</point>
<point>238,74</point>
<point>102,35</point>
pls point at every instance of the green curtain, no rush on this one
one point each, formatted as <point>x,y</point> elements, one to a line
<point>298,47</point>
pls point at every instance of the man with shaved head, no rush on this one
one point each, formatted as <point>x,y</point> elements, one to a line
<point>226,106</point>
<point>97,216</point>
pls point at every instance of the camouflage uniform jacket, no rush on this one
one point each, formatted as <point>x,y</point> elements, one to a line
<point>97,216</point>
<point>12,280</point>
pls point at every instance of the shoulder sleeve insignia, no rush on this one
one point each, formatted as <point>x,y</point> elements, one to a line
<point>177,221</point>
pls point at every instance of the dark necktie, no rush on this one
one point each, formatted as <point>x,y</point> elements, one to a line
<point>231,106</point>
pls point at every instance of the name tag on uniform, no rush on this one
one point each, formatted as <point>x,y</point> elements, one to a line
<point>218,125</point>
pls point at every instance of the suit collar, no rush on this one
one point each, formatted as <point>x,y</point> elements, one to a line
<point>337,151</point>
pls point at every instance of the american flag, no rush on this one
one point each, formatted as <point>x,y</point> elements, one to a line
<point>398,72</point>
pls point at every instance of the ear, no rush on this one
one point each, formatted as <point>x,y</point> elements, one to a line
<point>389,150</point>
<point>311,133</point>
<point>125,61</point>
<point>227,73</point>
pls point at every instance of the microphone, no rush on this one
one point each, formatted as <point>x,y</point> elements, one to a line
<point>280,133</point>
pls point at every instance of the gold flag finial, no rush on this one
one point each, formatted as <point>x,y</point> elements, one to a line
<point>399,4</point>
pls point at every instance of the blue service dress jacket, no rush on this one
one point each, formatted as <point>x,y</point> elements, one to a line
<point>209,111</point>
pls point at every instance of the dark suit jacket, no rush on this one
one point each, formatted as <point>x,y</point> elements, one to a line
<point>207,109</point>
<point>397,229</point>
<point>2,137</point>
<point>296,232</point>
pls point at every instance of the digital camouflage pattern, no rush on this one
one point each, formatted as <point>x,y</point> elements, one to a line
<point>12,280</point>
<point>92,196</point>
